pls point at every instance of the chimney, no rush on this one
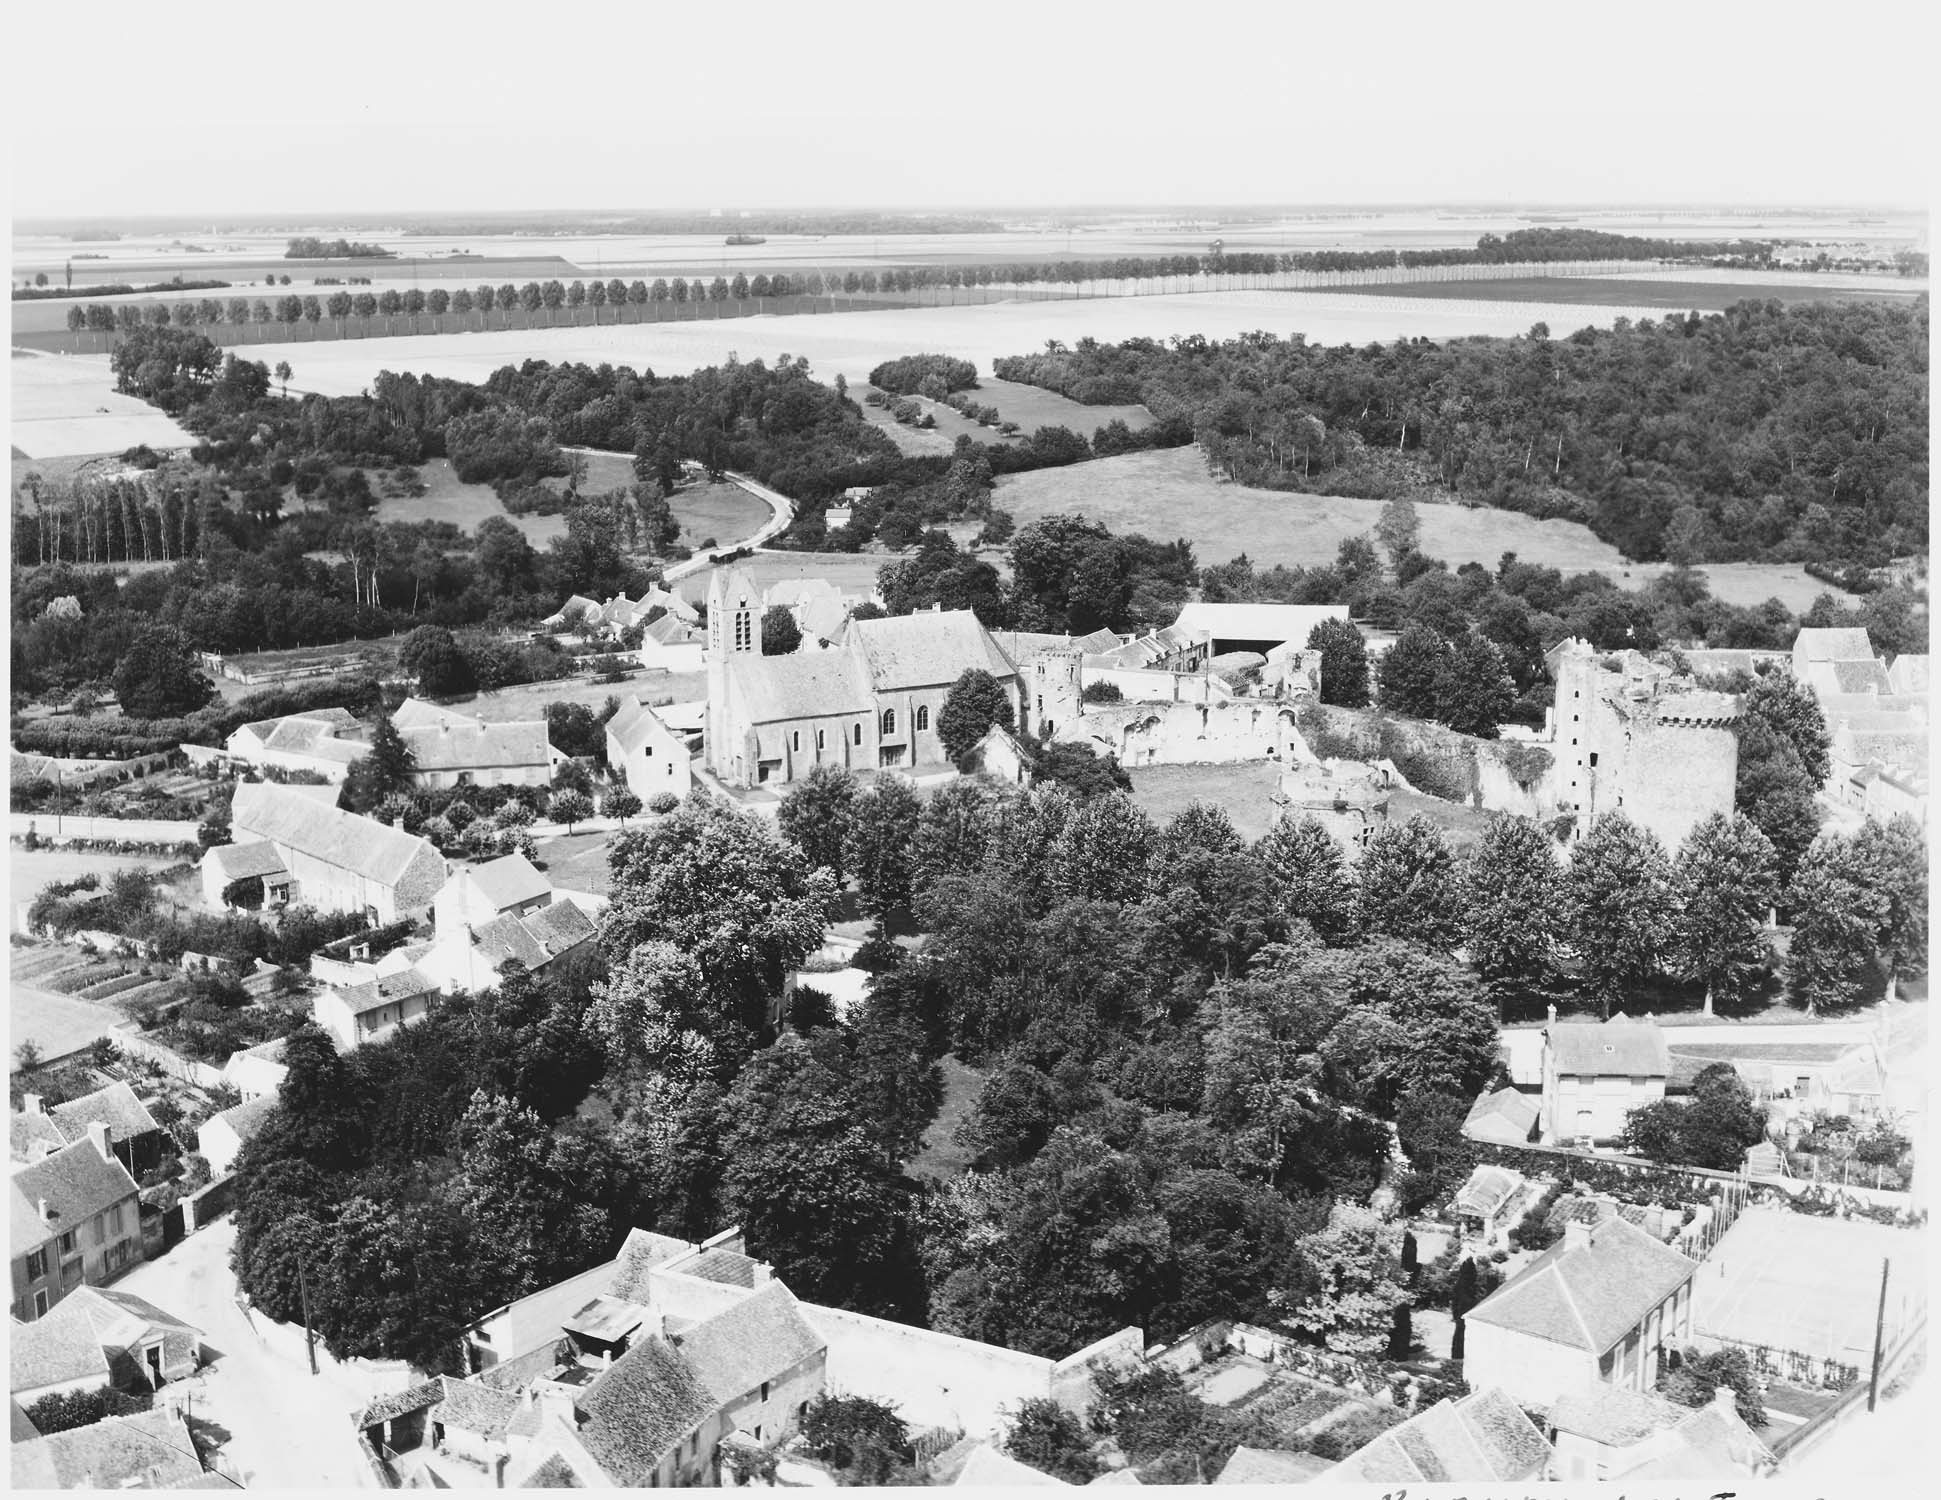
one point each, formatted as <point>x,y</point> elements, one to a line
<point>1577,1234</point>
<point>45,1217</point>
<point>98,1133</point>
<point>606,1359</point>
<point>1726,1400</point>
<point>30,1104</point>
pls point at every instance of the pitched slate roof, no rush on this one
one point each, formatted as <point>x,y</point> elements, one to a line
<point>636,724</point>
<point>642,1251</point>
<point>25,1231</point>
<point>151,1449</point>
<point>1506,1109</point>
<point>114,1106</point>
<point>464,747</point>
<point>474,1407</point>
<point>805,685</point>
<point>537,938</point>
<point>84,1335</point>
<point>244,1119</point>
<point>1271,1466</point>
<point>1822,644</point>
<point>299,731</point>
<point>32,1135</point>
<point>758,1339</point>
<point>417,713</point>
<point>925,650</point>
<point>1709,1443</point>
<point>388,989</point>
<point>508,881</point>
<point>729,1267</point>
<point>640,1407</point>
<point>1867,676</point>
<point>1619,1047</point>
<point>1612,1415</point>
<point>1484,1437</point>
<point>553,1473</point>
<point>670,630</point>
<point>58,1347</point>
<point>1588,1296</point>
<point>363,846</point>
<point>77,1184</point>
<point>241,861</point>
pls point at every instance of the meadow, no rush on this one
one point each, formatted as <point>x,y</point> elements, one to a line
<point>63,407</point>
<point>1680,295</point>
<point>1169,493</point>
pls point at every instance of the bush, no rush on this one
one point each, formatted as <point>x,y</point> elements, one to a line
<point>65,1410</point>
<point>906,376</point>
<point>663,802</point>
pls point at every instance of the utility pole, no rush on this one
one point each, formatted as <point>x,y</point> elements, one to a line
<point>1880,1328</point>
<point>309,1334</point>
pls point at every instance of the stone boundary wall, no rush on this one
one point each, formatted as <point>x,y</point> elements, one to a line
<point>57,826</point>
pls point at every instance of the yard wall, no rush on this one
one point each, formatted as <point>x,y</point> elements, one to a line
<point>104,830</point>
<point>169,1060</point>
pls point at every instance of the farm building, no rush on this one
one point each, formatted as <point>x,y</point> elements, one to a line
<point>132,1131</point>
<point>358,1013</point>
<point>475,894</point>
<point>98,1337</point>
<point>649,755</point>
<point>1506,1117</point>
<point>1481,1438</point>
<point>455,750</point>
<point>149,1450</point>
<point>470,957</point>
<point>870,703</point>
<point>334,860</point>
<point>1254,627</point>
<point>1602,1432</point>
<point>327,741</point>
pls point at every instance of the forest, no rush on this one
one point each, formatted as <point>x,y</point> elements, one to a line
<point>1763,433</point>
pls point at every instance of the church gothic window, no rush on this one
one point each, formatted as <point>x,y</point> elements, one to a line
<point>889,721</point>
<point>923,716</point>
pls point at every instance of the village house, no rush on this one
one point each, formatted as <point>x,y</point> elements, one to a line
<point>870,703</point>
<point>760,1361</point>
<point>100,1337</point>
<point>1481,1438</point>
<point>256,1071</point>
<point>334,860</point>
<point>671,644</point>
<point>1595,1074</point>
<point>1000,754</point>
<point>220,1139</point>
<point>327,741</point>
<point>75,1220</point>
<point>1606,1432</point>
<point>451,749</point>
<point>139,1143</point>
<point>354,1014</point>
<point>647,754</point>
<point>151,1450</point>
<point>509,886</point>
<point>1603,1304</point>
<point>470,957</point>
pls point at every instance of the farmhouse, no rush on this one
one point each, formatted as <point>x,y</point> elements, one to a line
<point>472,957</point>
<point>100,1337</point>
<point>76,1219</point>
<point>1604,1432</point>
<point>476,894</point>
<point>455,750</point>
<point>358,1013</point>
<point>870,703</point>
<point>1259,628</point>
<point>132,1131</point>
<point>1595,1075</point>
<point>1602,1305</point>
<point>649,755</point>
<point>334,860</point>
<point>327,741</point>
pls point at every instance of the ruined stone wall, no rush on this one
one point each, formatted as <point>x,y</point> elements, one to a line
<point>1167,734</point>
<point>1497,775</point>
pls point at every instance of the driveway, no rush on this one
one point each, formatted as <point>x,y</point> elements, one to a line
<point>287,1428</point>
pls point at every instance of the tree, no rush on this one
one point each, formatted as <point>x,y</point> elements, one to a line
<point>388,768</point>
<point>1474,693</point>
<point>1411,673</point>
<point>1309,877</point>
<point>1777,794</point>
<point>1014,1116</point>
<point>1785,705</point>
<point>815,816</point>
<point>1713,1129</point>
<point>622,804</point>
<point>863,1440</point>
<point>1893,857</point>
<point>1511,891</point>
<point>1838,914</point>
<point>1355,1282</point>
<point>573,777</point>
<point>432,656</point>
<point>570,807</point>
<point>1399,530</point>
<point>880,844</point>
<point>283,373</point>
<point>1618,906</point>
<point>157,676</point>
<point>780,634</point>
<point>1692,1378</point>
<point>644,1012</point>
<point>1051,1440</point>
<point>1409,886</point>
<point>1344,663</point>
<point>1724,883</point>
<point>1080,769</point>
<point>975,702</point>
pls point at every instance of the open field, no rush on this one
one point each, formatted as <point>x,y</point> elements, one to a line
<point>62,407</point>
<point>1678,296</point>
<point>1168,493</point>
<point>1791,1281</point>
<point>851,572</point>
<point>719,513</point>
<point>1032,408</point>
<point>28,871</point>
<point>446,498</point>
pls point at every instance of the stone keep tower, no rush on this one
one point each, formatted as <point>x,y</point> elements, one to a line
<point>1052,690</point>
<point>734,629</point>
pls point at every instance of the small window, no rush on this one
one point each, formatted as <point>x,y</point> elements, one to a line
<point>1593,760</point>
<point>821,741</point>
<point>923,717</point>
<point>67,1243</point>
<point>758,1432</point>
<point>889,721</point>
<point>114,1219</point>
<point>37,1264</point>
<point>40,1303</point>
<point>795,740</point>
<point>647,750</point>
<point>764,1397</point>
<point>859,734</point>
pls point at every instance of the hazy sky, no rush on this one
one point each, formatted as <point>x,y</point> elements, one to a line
<point>211,107</point>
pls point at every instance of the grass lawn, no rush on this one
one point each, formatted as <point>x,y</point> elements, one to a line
<point>1244,790</point>
<point>578,863</point>
<point>941,1157</point>
<point>446,498</point>
<point>1169,493</point>
<point>1617,291</point>
<point>1032,408</point>
<point>722,513</point>
<point>1461,824</point>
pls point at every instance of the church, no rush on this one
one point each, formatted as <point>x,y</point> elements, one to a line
<point>868,702</point>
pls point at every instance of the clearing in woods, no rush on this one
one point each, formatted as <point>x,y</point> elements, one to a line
<point>1169,493</point>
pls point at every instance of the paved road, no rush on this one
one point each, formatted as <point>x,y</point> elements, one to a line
<point>780,504</point>
<point>287,1428</point>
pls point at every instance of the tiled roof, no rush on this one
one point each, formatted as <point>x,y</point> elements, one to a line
<point>522,1370</point>
<point>26,1233</point>
<point>1271,1466</point>
<point>1867,676</point>
<point>362,846</point>
<point>759,1338</point>
<point>507,881</point>
<point>1619,1047</point>
<point>1821,644</point>
<point>553,1473</point>
<point>1909,674</point>
<point>361,999</point>
<point>1484,1437</point>
<point>636,725</point>
<point>537,938</point>
<point>1487,1190</point>
<point>77,1184</point>
<point>1588,1296</point>
<point>1709,1443</point>
<point>1612,1415</point>
<point>670,630</point>
<point>475,1408</point>
<point>19,1429</point>
<point>83,1336</point>
<point>114,1106</point>
<point>639,1408</point>
<point>464,747</point>
<point>1021,645</point>
<point>244,1119</point>
<point>1506,1106</point>
<point>1256,622</point>
<point>925,650</point>
<point>642,1251</point>
<point>386,1408</point>
<point>416,713</point>
<point>58,1347</point>
<point>987,1464</point>
<point>33,1135</point>
<point>150,1450</point>
<point>729,1267</point>
<point>241,861</point>
<point>573,602</point>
